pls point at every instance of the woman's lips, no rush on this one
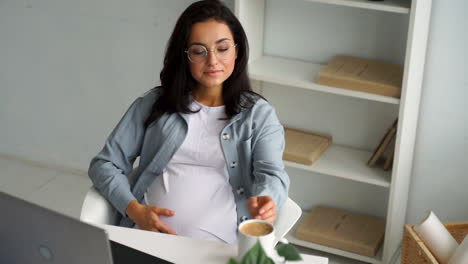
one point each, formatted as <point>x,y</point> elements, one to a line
<point>213,73</point>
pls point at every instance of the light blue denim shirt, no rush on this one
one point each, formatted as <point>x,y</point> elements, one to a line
<point>252,143</point>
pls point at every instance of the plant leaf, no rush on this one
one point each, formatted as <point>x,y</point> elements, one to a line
<point>232,261</point>
<point>289,252</point>
<point>256,255</point>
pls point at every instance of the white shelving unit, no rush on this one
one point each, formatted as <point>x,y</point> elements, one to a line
<point>301,74</point>
<point>345,161</point>
<point>395,6</point>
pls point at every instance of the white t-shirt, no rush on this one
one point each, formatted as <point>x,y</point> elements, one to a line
<point>195,183</point>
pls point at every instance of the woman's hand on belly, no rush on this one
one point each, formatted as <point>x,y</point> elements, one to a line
<point>147,217</point>
<point>262,207</point>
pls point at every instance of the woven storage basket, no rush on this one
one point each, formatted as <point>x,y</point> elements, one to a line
<point>414,251</point>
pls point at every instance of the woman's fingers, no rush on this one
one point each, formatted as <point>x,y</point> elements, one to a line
<point>259,205</point>
<point>154,229</point>
<point>267,206</point>
<point>165,229</point>
<point>271,219</point>
<point>160,227</point>
<point>268,214</point>
<point>163,211</point>
<point>156,222</point>
<point>266,210</point>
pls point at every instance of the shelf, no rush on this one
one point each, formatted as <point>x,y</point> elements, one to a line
<point>291,238</point>
<point>302,75</point>
<point>394,6</point>
<point>348,163</point>
<point>408,25</point>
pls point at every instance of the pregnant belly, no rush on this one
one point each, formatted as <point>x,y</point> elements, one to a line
<point>202,199</point>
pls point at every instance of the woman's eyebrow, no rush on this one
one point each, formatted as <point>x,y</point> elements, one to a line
<point>203,44</point>
<point>221,40</point>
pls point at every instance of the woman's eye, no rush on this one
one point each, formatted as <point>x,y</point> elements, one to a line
<point>198,52</point>
<point>222,49</point>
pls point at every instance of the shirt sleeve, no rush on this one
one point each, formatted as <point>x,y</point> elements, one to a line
<point>110,168</point>
<point>268,167</point>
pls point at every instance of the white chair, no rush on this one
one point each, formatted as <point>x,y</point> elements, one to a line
<point>97,210</point>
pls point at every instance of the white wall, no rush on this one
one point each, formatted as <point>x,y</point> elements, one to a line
<point>440,169</point>
<point>69,69</point>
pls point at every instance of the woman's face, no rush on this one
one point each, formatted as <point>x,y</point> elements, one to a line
<point>212,70</point>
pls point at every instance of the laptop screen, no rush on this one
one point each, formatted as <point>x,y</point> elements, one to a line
<point>33,234</point>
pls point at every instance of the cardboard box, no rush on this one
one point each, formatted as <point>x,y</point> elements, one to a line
<point>363,75</point>
<point>342,229</point>
<point>388,140</point>
<point>304,147</point>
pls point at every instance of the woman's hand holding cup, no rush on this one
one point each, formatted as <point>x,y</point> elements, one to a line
<point>147,217</point>
<point>262,207</point>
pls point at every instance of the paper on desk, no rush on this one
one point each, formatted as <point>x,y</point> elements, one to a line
<point>437,238</point>
<point>309,259</point>
<point>461,253</point>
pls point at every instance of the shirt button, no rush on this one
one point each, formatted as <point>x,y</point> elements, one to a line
<point>233,164</point>
<point>226,136</point>
<point>240,191</point>
<point>243,218</point>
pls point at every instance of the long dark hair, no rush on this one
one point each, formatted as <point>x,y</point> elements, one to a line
<point>177,82</point>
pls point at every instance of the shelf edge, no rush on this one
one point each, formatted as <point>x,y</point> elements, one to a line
<point>308,168</point>
<point>297,83</point>
<point>365,5</point>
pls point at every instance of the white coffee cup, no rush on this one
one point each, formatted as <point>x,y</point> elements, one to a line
<point>251,231</point>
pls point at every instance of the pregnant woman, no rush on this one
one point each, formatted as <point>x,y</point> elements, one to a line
<point>210,149</point>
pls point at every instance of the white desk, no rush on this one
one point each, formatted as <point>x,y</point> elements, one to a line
<point>180,249</point>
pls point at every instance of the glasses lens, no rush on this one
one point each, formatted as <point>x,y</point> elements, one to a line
<point>197,53</point>
<point>224,50</point>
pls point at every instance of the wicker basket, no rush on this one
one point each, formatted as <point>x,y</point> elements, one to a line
<point>415,252</point>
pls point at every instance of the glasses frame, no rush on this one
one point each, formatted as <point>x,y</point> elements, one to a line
<point>234,45</point>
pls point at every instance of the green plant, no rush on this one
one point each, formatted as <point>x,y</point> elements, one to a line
<point>256,255</point>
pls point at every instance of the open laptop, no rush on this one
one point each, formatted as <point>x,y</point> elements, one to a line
<point>33,234</point>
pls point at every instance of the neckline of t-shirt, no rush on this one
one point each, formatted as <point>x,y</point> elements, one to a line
<point>210,108</point>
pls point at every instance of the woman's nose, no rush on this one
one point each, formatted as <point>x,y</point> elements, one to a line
<point>211,57</point>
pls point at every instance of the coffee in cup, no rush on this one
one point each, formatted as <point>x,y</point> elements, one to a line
<point>254,230</point>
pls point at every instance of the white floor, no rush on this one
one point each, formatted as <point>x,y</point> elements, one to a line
<point>63,190</point>
<point>57,189</point>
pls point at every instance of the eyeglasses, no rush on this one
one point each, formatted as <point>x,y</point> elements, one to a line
<point>224,50</point>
